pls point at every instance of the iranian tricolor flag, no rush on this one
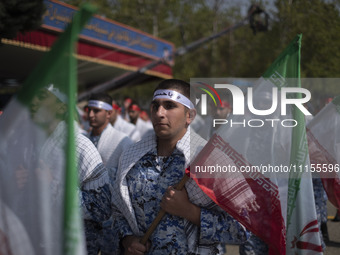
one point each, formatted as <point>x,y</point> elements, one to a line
<point>324,145</point>
<point>266,187</point>
<point>39,208</point>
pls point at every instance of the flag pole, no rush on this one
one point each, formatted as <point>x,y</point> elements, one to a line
<point>161,213</point>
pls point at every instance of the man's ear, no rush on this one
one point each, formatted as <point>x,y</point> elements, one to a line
<point>192,115</point>
<point>109,113</point>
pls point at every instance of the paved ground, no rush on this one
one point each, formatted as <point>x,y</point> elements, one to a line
<point>333,247</point>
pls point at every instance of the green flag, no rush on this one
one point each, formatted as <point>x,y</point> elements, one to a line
<point>301,223</point>
<point>286,66</point>
<point>38,172</point>
<point>276,203</point>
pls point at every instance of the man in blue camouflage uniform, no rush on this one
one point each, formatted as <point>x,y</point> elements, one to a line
<point>145,181</point>
<point>254,246</point>
<point>94,181</point>
<point>320,197</point>
<point>95,192</point>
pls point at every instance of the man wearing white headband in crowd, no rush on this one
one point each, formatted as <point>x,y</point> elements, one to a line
<point>147,172</point>
<point>42,156</point>
<point>109,141</point>
<point>122,125</point>
<point>142,126</point>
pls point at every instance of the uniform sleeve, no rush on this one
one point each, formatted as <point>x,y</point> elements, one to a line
<point>121,226</point>
<point>219,226</point>
<point>117,227</point>
<point>92,233</point>
<point>96,203</point>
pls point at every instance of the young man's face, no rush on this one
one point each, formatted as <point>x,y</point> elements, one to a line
<point>114,115</point>
<point>169,119</point>
<point>133,114</point>
<point>45,107</point>
<point>98,117</point>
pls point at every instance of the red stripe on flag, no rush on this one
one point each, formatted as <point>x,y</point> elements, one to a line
<point>232,194</point>
<point>312,223</point>
<point>4,244</point>
<point>330,180</point>
<point>308,246</point>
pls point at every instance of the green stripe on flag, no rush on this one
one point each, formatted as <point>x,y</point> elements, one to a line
<point>59,68</point>
<point>336,102</point>
<point>287,65</point>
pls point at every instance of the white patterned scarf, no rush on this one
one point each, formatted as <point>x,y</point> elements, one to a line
<point>190,145</point>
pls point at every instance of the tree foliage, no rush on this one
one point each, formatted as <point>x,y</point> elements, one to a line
<point>240,53</point>
<point>20,16</point>
<point>319,22</point>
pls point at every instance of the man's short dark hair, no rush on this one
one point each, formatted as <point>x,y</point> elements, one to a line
<point>179,85</point>
<point>101,97</point>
